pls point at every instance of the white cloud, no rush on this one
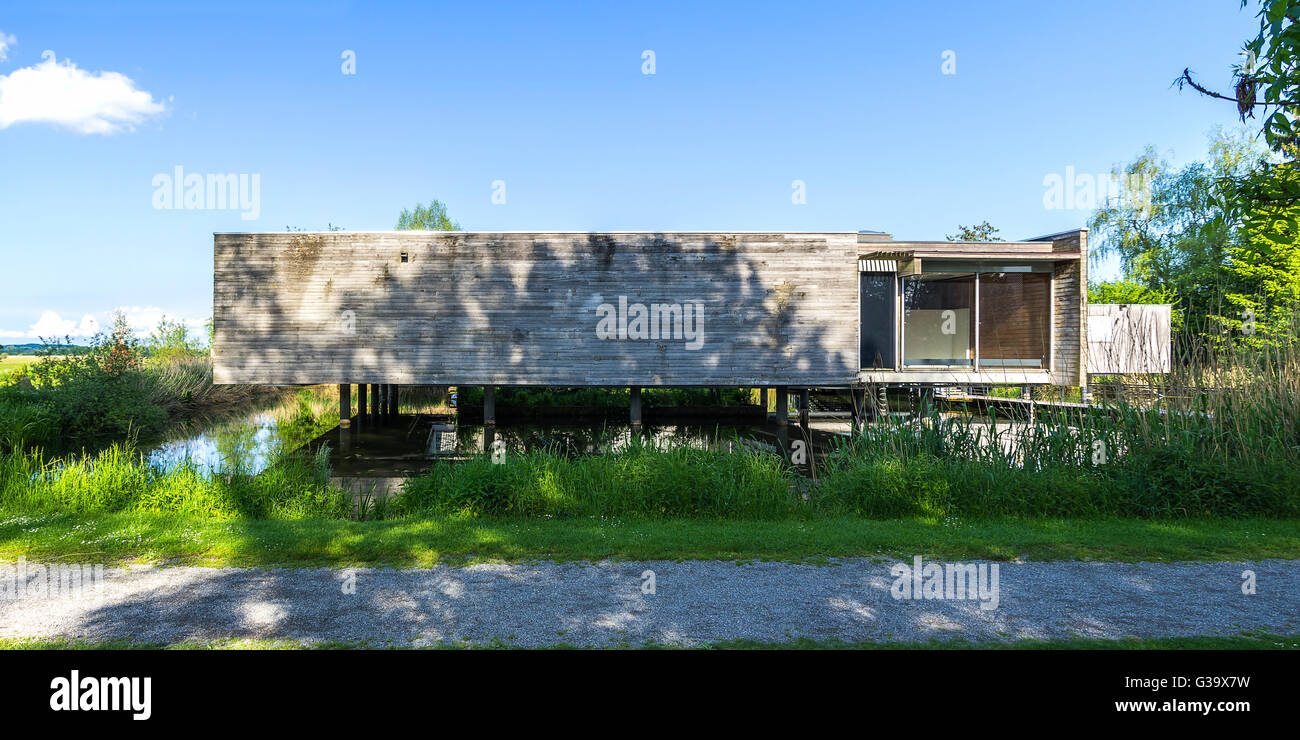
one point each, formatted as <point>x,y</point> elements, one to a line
<point>141,319</point>
<point>51,325</point>
<point>6,41</point>
<point>63,95</point>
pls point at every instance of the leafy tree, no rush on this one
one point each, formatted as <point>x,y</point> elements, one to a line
<point>1263,202</point>
<point>1127,291</point>
<point>119,351</point>
<point>432,217</point>
<point>1176,241</point>
<point>171,341</point>
<point>983,232</point>
<point>1264,267</point>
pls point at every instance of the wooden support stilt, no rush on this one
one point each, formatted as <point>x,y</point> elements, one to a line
<point>763,394</point>
<point>782,406</point>
<point>489,405</point>
<point>396,402</point>
<point>859,408</point>
<point>803,408</point>
<point>363,390</point>
<point>634,407</point>
<point>374,403</point>
<point>345,405</point>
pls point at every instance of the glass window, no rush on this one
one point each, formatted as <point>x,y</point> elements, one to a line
<point>877,322</point>
<point>1014,319</point>
<point>938,319</point>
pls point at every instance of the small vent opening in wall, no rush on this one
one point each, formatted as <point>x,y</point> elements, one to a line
<point>405,257</point>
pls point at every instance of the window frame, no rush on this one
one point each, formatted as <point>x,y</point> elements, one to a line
<point>902,326</point>
<point>976,267</point>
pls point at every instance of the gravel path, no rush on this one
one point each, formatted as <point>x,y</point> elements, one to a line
<point>697,601</point>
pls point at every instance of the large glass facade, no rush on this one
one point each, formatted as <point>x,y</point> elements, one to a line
<point>995,319</point>
<point>939,320</point>
<point>1015,314</point>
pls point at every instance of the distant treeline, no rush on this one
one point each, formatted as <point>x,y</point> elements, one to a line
<point>35,348</point>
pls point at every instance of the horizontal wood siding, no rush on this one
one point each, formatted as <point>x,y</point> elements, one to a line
<point>1070,344</point>
<point>479,308</point>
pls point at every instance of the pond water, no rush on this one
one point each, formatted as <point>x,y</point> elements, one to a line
<point>244,446</point>
<point>409,445</point>
<point>244,440</point>
<point>250,441</point>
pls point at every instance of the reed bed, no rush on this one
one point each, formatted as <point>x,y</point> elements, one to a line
<point>1215,438</point>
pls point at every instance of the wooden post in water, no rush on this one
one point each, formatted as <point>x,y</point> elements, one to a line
<point>489,406</point>
<point>803,408</point>
<point>345,405</point>
<point>374,402</point>
<point>763,394</point>
<point>782,406</point>
<point>396,402</point>
<point>363,389</point>
<point>634,407</point>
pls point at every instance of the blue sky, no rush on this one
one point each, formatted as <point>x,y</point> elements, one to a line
<point>551,99</point>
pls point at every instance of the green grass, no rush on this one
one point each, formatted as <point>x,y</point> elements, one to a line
<point>150,537</point>
<point>1248,641</point>
<point>118,479</point>
<point>15,362</point>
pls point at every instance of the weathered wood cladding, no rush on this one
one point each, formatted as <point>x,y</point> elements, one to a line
<point>478,308</point>
<point>1070,316</point>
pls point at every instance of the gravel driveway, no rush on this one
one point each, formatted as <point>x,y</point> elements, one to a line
<point>693,602</point>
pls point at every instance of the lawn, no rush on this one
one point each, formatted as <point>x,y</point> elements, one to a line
<point>150,537</point>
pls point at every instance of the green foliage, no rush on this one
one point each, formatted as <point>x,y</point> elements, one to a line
<point>1264,266</point>
<point>102,393</point>
<point>171,341</point>
<point>23,424</point>
<point>1238,456</point>
<point>639,480</point>
<point>1260,199</point>
<point>118,479</point>
<point>1176,242</point>
<point>982,232</point>
<point>1128,291</point>
<point>72,400</point>
<point>432,217</point>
